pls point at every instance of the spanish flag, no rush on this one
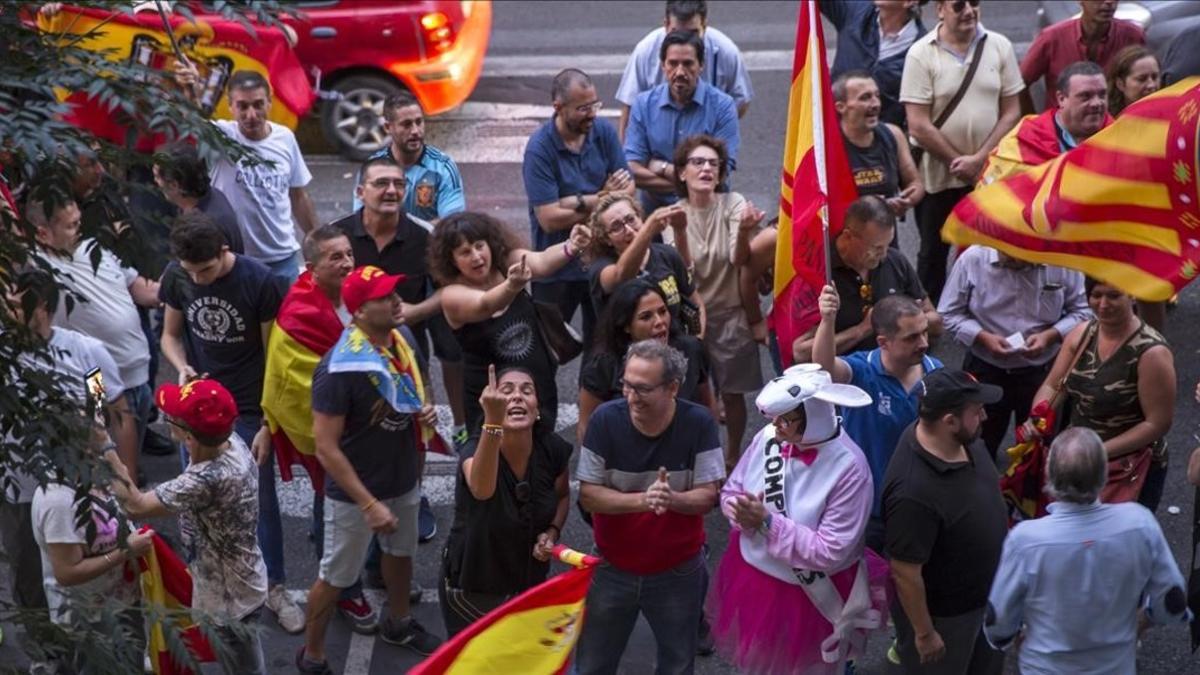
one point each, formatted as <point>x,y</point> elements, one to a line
<point>532,633</point>
<point>816,185</point>
<point>167,585</point>
<point>1123,207</point>
<point>217,46</point>
<point>306,327</point>
<point>1032,142</point>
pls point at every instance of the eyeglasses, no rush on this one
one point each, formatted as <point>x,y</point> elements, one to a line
<point>524,492</point>
<point>593,107</point>
<point>385,183</point>
<point>959,5</point>
<point>700,162</point>
<point>616,226</point>
<point>640,389</point>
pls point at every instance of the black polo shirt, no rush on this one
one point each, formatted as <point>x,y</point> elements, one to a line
<point>947,517</point>
<point>405,254</point>
<point>893,275</point>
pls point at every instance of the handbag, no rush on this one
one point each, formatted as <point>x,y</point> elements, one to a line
<point>917,151</point>
<point>559,337</point>
<point>1126,476</point>
<point>689,316</point>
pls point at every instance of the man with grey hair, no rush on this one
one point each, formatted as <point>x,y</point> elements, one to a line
<point>1074,581</point>
<point>648,472</point>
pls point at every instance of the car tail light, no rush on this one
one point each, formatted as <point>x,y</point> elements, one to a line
<point>439,33</point>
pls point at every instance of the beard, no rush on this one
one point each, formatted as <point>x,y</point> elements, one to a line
<point>968,437</point>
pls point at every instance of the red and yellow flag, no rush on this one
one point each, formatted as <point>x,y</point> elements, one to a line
<point>1123,207</point>
<point>167,584</point>
<point>532,633</point>
<point>816,185</point>
<point>217,46</point>
<point>306,327</point>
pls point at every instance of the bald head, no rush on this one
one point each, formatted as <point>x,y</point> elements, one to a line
<point>1078,466</point>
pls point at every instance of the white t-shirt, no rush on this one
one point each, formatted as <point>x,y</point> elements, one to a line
<point>259,194</point>
<point>109,315</point>
<point>53,516</point>
<point>75,355</point>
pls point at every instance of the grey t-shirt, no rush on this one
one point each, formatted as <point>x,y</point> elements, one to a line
<point>217,504</point>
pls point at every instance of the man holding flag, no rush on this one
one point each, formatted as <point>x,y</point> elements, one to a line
<point>368,410</point>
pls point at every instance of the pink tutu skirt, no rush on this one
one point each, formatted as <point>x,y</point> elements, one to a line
<point>766,626</point>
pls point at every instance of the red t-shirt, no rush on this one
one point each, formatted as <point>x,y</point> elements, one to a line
<point>1062,44</point>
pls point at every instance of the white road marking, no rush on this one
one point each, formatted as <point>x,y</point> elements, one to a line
<point>358,654</point>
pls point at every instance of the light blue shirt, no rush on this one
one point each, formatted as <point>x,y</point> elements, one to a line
<point>1075,579</point>
<point>434,187</point>
<point>657,125</point>
<point>723,67</point>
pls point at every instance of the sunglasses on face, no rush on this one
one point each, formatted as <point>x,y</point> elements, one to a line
<point>959,5</point>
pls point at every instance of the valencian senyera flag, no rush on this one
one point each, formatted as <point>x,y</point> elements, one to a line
<point>166,584</point>
<point>532,633</point>
<point>816,184</point>
<point>307,327</point>
<point>217,46</point>
<point>1122,207</point>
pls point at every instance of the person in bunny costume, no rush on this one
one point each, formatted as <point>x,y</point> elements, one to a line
<point>797,590</point>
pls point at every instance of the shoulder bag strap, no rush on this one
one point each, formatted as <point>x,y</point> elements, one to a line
<point>1060,387</point>
<point>962,88</point>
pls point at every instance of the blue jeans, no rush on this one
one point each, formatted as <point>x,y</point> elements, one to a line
<point>287,269</point>
<point>671,601</point>
<point>270,526</point>
<point>141,404</point>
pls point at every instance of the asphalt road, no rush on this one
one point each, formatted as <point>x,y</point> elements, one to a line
<point>530,42</point>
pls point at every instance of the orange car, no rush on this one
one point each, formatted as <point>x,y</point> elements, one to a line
<point>359,52</point>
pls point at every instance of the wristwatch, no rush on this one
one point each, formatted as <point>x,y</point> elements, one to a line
<point>580,205</point>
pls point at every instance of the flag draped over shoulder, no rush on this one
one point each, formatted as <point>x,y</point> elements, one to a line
<point>1032,142</point>
<point>532,633</point>
<point>217,46</point>
<point>306,327</point>
<point>816,177</point>
<point>167,584</point>
<point>1123,206</point>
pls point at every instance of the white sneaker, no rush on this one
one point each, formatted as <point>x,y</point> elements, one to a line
<point>287,613</point>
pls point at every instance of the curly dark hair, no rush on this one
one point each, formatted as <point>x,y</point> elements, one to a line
<point>468,227</point>
<point>681,159</point>
<point>612,334</point>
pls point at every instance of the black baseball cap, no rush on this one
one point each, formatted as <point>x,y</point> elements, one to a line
<point>947,388</point>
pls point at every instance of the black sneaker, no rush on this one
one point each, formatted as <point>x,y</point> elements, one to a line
<point>410,634</point>
<point>307,666</point>
<point>426,522</point>
<point>158,445</point>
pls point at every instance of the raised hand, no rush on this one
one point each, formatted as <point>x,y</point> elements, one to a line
<point>751,217</point>
<point>491,400</point>
<point>519,274</point>
<point>580,239</point>
<point>829,302</point>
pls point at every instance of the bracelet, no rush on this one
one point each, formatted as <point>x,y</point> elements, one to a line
<point>567,250</point>
<point>371,503</point>
<point>493,430</point>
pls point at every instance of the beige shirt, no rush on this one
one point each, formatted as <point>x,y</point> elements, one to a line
<point>932,75</point>
<point>712,235</point>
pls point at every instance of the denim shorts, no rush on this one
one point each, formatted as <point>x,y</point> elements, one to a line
<point>347,537</point>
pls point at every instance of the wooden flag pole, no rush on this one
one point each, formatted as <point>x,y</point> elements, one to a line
<point>824,211</point>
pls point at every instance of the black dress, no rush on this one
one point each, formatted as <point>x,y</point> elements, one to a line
<point>489,554</point>
<point>511,339</point>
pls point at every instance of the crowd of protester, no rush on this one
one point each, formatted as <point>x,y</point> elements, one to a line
<point>871,499</point>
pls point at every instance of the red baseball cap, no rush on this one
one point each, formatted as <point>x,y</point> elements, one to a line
<point>368,283</point>
<point>203,406</point>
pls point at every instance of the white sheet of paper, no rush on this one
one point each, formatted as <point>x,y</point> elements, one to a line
<point>1016,341</point>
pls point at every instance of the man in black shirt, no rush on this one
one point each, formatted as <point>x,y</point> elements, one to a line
<point>865,271</point>
<point>182,176</point>
<point>383,235</point>
<point>945,524</point>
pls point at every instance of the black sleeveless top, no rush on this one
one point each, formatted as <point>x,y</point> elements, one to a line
<point>876,169</point>
<point>511,339</point>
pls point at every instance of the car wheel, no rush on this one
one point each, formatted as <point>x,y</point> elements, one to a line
<point>353,122</point>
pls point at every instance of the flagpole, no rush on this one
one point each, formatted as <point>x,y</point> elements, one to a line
<point>814,57</point>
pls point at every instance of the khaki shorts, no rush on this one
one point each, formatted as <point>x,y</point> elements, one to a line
<point>347,537</point>
<point>732,351</point>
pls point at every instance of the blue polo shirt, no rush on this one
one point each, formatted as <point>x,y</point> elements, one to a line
<point>657,125</point>
<point>434,187</point>
<point>552,171</point>
<point>877,427</point>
